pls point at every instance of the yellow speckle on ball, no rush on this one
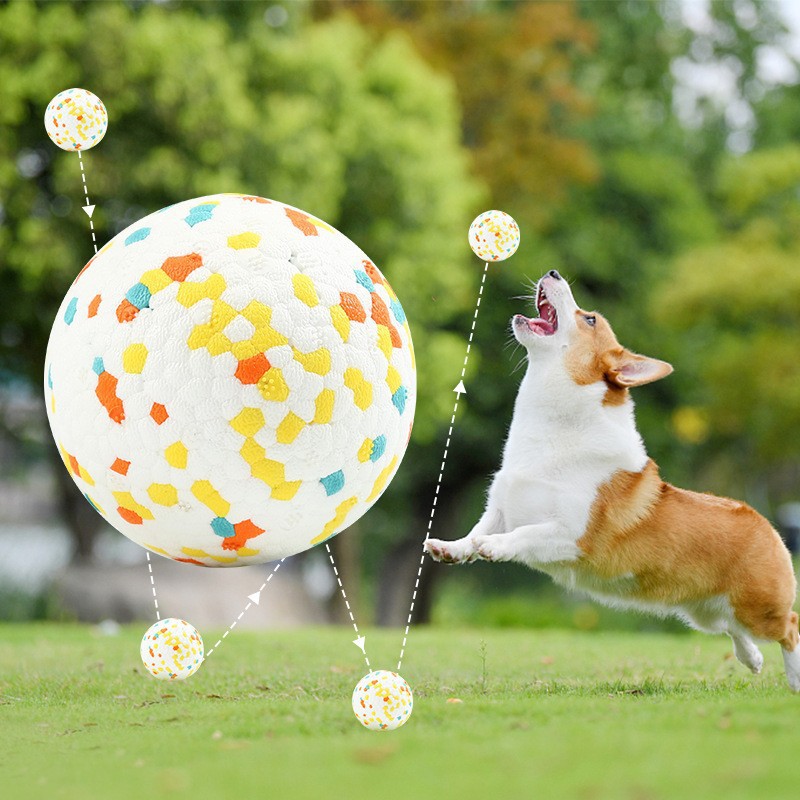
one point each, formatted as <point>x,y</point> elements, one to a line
<point>290,428</point>
<point>244,241</point>
<point>248,421</point>
<point>365,451</point>
<point>133,358</point>
<point>209,496</point>
<point>323,406</point>
<point>304,289</point>
<point>177,455</point>
<point>165,494</point>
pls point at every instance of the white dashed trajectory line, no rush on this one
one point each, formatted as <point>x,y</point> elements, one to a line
<point>88,208</point>
<point>153,586</point>
<point>459,389</point>
<point>254,600</point>
<point>359,640</point>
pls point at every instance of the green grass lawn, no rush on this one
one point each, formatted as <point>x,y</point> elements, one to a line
<point>546,714</point>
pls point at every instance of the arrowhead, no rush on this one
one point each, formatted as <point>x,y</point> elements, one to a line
<point>460,388</point>
<point>359,643</point>
<point>255,597</point>
<point>89,210</point>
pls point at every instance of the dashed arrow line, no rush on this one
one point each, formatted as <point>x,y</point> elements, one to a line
<point>459,390</point>
<point>254,599</point>
<point>88,208</point>
<point>359,640</point>
<point>153,586</point>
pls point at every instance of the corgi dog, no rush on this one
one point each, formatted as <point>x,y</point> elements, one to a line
<point>577,497</point>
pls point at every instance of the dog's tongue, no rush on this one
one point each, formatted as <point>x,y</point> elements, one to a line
<point>541,327</point>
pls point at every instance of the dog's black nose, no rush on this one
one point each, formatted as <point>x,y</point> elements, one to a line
<point>554,274</point>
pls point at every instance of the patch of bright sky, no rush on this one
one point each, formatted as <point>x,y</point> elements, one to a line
<point>714,81</point>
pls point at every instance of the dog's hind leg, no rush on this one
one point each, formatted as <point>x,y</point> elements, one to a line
<point>745,650</point>
<point>790,647</point>
<point>791,663</point>
<point>715,615</point>
<point>769,618</point>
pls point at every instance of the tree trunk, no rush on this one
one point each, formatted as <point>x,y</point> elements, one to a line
<point>397,575</point>
<point>396,579</point>
<point>346,549</point>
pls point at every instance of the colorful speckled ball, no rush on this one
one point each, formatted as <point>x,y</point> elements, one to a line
<point>172,650</point>
<point>494,236</point>
<point>382,700</point>
<point>230,381</point>
<point>76,119</point>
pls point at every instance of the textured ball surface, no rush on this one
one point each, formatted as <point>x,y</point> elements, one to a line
<point>172,650</point>
<point>230,381</point>
<point>76,119</point>
<point>382,700</point>
<point>494,236</point>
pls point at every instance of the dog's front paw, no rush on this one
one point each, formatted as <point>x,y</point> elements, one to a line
<point>492,548</point>
<point>460,551</point>
<point>757,665</point>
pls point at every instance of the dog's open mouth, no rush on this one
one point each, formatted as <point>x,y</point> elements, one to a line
<point>547,322</point>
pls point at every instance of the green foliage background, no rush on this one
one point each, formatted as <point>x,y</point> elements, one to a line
<point>399,122</point>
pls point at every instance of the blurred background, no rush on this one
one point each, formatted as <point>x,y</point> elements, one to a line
<point>650,151</point>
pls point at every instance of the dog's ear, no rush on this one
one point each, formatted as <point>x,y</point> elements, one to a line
<point>631,369</point>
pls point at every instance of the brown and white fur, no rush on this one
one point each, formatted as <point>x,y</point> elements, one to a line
<point>577,497</point>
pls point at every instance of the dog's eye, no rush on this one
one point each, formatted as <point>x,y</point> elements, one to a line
<point>590,320</point>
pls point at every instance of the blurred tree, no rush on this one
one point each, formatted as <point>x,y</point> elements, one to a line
<point>660,140</point>
<point>511,63</point>
<point>356,130</point>
<point>612,83</point>
<point>647,204</point>
<point>778,115</point>
<point>737,303</point>
<point>721,75</point>
<point>580,117</point>
<point>730,306</point>
<point>568,110</point>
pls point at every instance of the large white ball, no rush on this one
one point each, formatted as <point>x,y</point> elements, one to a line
<point>230,381</point>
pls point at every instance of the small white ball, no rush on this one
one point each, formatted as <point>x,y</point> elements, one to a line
<point>76,119</point>
<point>172,650</point>
<point>494,236</point>
<point>382,700</point>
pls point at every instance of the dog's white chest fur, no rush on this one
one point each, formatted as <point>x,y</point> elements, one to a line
<point>559,451</point>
